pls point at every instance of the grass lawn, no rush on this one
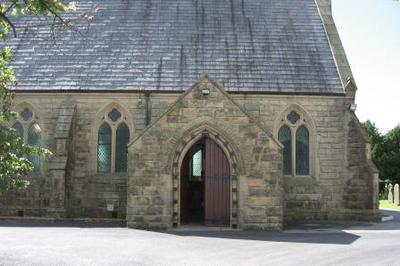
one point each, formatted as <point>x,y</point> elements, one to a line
<point>386,204</point>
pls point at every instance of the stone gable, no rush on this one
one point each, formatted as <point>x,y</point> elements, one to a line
<point>253,152</point>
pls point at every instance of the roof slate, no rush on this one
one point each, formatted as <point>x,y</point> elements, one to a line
<point>158,45</point>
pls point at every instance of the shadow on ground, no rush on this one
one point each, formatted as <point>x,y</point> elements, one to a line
<point>63,223</point>
<point>334,233</point>
<point>335,238</point>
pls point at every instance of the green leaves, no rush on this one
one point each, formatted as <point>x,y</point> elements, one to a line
<point>48,6</point>
<point>14,165</point>
<point>385,151</point>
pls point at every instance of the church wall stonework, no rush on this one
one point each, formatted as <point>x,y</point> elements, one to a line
<point>342,183</point>
<point>152,176</point>
<point>324,195</point>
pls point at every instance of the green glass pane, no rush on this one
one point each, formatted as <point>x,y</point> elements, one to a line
<point>285,137</point>
<point>104,149</point>
<point>20,130</point>
<point>35,139</point>
<point>302,151</point>
<point>121,148</point>
<point>197,163</point>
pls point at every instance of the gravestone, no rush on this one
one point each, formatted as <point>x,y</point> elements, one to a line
<point>396,194</point>
<point>390,193</point>
<point>386,191</point>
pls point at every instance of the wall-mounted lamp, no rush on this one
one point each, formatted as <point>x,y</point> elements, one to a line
<point>353,107</point>
<point>205,91</point>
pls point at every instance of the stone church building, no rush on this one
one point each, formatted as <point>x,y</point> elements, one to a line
<point>236,113</point>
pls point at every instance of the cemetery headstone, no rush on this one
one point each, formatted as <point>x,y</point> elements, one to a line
<point>390,194</point>
<point>396,194</point>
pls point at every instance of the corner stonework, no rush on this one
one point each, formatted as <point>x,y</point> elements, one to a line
<point>257,186</point>
<point>62,158</point>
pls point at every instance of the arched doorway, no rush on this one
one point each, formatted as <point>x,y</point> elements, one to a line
<point>205,185</point>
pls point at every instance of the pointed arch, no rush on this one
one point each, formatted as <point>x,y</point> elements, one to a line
<point>302,151</point>
<point>305,116</point>
<point>25,106</point>
<point>189,138</point>
<point>104,146</point>
<point>121,151</point>
<point>300,148</point>
<point>19,128</point>
<point>285,137</point>
<point>120,123</point>
<point>35,139</point>
<point>29,130</point>
<point>197,132</point>
<point>110,106</point>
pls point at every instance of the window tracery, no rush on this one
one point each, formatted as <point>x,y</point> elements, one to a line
<point>112,139</point>
<point>29,131</point>
<point>294,135</point>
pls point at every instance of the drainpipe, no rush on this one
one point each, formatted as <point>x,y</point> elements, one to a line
<point>147,108</point>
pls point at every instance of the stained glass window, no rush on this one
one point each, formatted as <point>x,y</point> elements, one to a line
<point>20,130</point>
<point>114,115</point>
<point>302,151</point>
<point>285,137</point>
<point>121,148</point>
<point>197,163</point>
<point>293,117</point>
<point>26,114</point>
<point>104,148</point>
<point>35,139</point>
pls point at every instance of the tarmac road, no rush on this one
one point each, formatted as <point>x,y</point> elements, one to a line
<point>25,243</point>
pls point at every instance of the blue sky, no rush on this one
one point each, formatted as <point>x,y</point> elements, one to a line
<point>370,32</point>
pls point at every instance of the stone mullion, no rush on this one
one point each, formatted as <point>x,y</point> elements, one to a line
<point>25,126</point>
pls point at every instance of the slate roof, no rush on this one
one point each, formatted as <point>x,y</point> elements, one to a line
<point>246,45</point>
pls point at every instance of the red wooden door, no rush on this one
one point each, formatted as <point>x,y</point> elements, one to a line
<point>217,186</point>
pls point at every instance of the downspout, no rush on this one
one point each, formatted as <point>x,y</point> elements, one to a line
<point>147,108</point>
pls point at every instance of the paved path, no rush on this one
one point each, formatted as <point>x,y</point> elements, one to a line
<point>361,244</point>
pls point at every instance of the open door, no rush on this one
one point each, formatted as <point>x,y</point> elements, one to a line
<point>205,185</point>
<point>217,186</point>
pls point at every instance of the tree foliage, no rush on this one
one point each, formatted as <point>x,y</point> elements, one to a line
<point>14,167</point>
<point>385,151</point>
<point>388,157</point>
<point>373,133</point>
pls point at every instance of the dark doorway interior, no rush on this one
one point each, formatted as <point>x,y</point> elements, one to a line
<point>192,185</point>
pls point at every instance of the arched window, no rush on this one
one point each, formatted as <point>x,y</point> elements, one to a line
<point>104,148</point>
<point>35,139</point>
<point>295,137</point>
<point>302,151</point>
<point>285,137</point>
<point>121,148</point>
<point>197,164</point>
<point>20,129</point>
<point>30,132</point>
<point>112,141</point>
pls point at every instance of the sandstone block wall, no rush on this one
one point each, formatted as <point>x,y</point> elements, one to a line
<point>327,194</point>
<point>155,155</point>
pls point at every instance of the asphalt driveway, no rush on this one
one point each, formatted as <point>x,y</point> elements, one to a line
<point>356,244</point>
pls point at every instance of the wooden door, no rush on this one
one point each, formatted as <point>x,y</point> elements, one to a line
<point>217,186</point>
